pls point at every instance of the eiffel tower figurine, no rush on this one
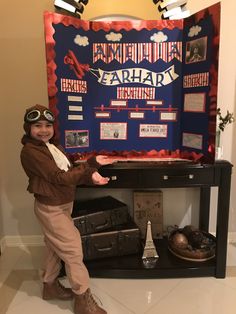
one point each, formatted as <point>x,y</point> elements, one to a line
<point>150,255</point>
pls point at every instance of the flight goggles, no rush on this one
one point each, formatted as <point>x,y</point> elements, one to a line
<point>36,115</point>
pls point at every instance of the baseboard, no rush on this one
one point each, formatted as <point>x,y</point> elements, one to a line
<point>37,240</point>
<point>232,237</point>
<point>21,241</point>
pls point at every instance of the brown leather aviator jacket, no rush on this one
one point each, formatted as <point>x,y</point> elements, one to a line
<point>49,184</point>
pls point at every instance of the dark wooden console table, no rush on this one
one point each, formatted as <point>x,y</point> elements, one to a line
<point>140,175</point>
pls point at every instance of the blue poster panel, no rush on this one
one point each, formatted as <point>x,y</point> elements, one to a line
<point>134,88</point>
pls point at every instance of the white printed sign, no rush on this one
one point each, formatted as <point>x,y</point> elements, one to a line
<point>113,131</point>
<point>153,130</point>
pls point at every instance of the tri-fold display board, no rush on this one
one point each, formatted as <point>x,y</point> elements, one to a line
<point>135,88</point>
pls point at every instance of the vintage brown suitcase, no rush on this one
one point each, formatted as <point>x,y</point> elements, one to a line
<point>118,241</point>
<point>99,214</point>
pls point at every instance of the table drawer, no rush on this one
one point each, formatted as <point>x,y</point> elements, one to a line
<point>121,177</point>
<point>173,177</point>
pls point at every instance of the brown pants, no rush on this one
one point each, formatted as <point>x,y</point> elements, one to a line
<point>63,242</point>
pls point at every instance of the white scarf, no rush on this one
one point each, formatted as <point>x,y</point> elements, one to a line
<point>60,159</point>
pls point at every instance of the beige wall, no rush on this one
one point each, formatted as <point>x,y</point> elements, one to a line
<point>23,83</point>
<point>226,85</point>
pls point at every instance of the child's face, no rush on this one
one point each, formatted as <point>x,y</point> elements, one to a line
<point>42,130</point>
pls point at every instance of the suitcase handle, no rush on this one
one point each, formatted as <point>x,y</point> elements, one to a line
<point>98,227</point>
<point>104,249</point>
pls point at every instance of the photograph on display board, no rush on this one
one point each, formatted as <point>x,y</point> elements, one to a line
<point>196,50</point>
<point>146,87</point>
<point>76,138</point>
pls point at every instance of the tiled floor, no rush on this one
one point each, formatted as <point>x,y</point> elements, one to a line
<point>20,290</point>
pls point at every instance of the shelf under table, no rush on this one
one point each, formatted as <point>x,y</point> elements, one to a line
<point>167,266</point>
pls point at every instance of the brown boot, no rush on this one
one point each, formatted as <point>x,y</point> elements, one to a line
<point>85,304</point>
<point>55,290</point>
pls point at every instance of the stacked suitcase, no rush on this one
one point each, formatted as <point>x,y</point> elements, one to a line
<point>106,228</point>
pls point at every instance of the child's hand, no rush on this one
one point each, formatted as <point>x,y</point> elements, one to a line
<point>105,160</point>
<point>98,179</point>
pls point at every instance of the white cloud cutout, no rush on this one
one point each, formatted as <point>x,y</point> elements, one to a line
<point>113,36</point>
<point>194,31</point>
<point>81,40</point>
<point>159,37</point>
